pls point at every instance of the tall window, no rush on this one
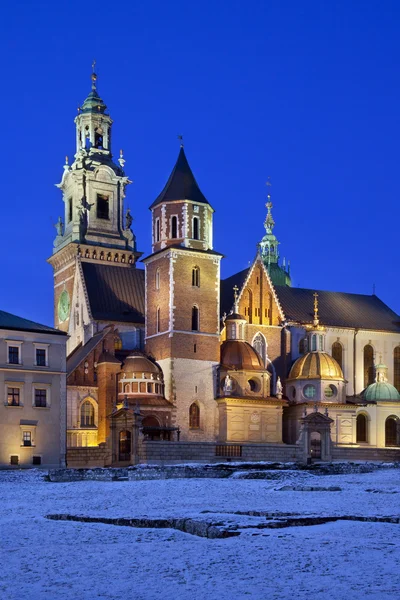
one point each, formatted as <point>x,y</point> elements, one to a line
<point>194,416</point>
<point>69,210</point>
<point>313,343</point>
<point>157,230</point>
<point>303,346</point>
<point>103,209</point>
<point>41,357</point>
<point>195,318</point>
<point>27,438</point>
<point>158,279</point>
<point>196,235</point>
<point>196,276</point>
<point>98,137</point>
<point>13,396</point>
<point>158,319</point>
<point>125,445</point>
<point>174,227</point>
<point>391,432</point>
<point>396,368</point>
<point>260,346</point>
<point>87,414</point>
<point>40,398</point>
<point>337,353</point>
<point>361,428</point>
<point>13,355</point>
<point>368,365</point>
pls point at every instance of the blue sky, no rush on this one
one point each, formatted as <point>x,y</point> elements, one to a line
<point>304,92</point>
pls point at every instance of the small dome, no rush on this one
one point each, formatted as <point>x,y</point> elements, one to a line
<point>241,356</point>
<point>316,365</point>
<point>235,317</point>
<point>138,363</point>
<point>381,391</point>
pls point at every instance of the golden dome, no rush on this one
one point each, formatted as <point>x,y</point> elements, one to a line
<point>316,365</point>
<point>241,356</point>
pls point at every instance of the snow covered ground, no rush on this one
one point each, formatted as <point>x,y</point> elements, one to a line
<point>44,559</point>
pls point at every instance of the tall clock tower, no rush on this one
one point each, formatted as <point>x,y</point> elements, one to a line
<point>182,301</point>
<point>94,227</point>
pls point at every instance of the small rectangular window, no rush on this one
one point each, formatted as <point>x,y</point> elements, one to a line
<point>13,355</point>
<point>40,398</point>
<point>14,460</point>
<point>103,208</point>
<point>196,235</point>
<point>13,396</point>
<point>36,460</point>
<point>41,357</point>
<point>27,438</point>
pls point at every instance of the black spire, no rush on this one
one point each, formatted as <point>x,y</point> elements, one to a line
<point>181,184</point>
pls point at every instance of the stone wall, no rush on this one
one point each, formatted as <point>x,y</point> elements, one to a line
<point>91,456</point>
<point>366,454</point>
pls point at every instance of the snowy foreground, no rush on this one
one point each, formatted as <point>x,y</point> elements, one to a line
<point>44,559</point>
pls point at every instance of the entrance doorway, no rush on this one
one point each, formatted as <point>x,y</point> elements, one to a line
<point>315,443</point>
<point>125,445</point>
<point>391,432</point>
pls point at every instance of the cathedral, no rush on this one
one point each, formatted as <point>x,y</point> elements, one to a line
<point>170,354</point>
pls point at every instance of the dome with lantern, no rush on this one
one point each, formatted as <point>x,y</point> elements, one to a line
<point>381,390</point>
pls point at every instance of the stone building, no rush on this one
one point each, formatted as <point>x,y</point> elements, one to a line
<point>32,393</point>
<point>173,352</point>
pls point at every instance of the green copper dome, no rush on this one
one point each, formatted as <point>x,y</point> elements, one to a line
<point>381,390</point>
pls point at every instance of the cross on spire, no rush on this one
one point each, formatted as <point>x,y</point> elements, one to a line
<point>316,317</point>
<point>93,76</point>
<point>235,298</point>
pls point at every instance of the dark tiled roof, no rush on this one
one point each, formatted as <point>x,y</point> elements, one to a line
<point>115,293</point>
<point>81,352</point>
<point>9,321</point>
<point>227,286</point>
<point>181,184</point>
<point>338,309</point>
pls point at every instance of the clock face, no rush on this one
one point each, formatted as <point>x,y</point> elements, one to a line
<point>63,306</point>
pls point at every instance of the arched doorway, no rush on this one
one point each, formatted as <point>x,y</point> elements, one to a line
<point>315,445</point>
<point>361,429</point>
<point>391,431</point>
<point>151,428</point>
<point>125,445</point>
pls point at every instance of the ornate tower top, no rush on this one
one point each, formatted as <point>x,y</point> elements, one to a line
<point>269,247</point>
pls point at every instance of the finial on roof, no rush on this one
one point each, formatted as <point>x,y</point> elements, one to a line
<point>316,317</point>
<point>235,299</point>
<point>93,76</point>
<point>121,159</point>
<point>269,221</point>
<point>180,138</point>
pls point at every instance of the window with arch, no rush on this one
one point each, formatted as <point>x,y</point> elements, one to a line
<point>127,388</point>
<point>174,227</point>
<point>314,343</point>
<point>361,435</point>
<point>196,277</point>
<point>157,230</point>
<point>157,279</point>
<point>196,228</point>
<point>194,416</point>
<point>396,368</point>
<point>260,345</point>
<point>391,432</point>
<point>158,319</point>
<point>195,318</point>
<point>248,302</point>
<point>337,353</point>
<point>87,414</point>
<point>368,365</point>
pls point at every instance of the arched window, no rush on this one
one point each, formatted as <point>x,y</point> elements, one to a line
<point>87,414</point>
<point>174,227</point>
<point>248,302</point>
<point>117,343</point>
<point>260,346</point>
<point>194,416</point>
<point>396,368</point>
<point>391,432</point>
<point>158,319</point>
<point>313,343</point>
<point>196,235</point>
<point>196,276</point>
<point>157,279</point>
<point>127,388</point>
<point>98,138</point>
<point>337,353</point>
<point>195,318</point>
<point>368,365</point>
<point>125,445</point>
<point>361,428</point>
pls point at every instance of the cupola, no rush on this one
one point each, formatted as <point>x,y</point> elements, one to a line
<point>381,390</point>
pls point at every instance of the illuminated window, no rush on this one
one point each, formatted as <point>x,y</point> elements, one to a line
<point>368,365</point>
<point>195,318</point>
<point>174,227</point>
<point>396,368</point>
<point>310,391</point>
<point>102,208</point>
<point>13,396</point>
<point>117,343</point>
<point>27,438</point>
<point>361,428</point>
<point>337,353</point>
<point>194,416</point>
<point>87,414</point>
<point>196,277</point>
<point>196,235</point>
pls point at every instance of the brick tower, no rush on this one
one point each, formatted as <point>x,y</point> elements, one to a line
<point>182,301</point>
<point>94,228</point>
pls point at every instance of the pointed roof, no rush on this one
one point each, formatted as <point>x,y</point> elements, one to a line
<point>181,184</point>
<point>93,102</point>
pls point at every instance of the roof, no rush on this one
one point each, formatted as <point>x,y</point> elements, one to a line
<point>227,286</point>
<point>81,352</point>
<point>381,390</point>
<point>115,293</point>
<point>181,184</point>
<point>9,321</point>
<point>338,309</point>
<point>239,355</point>
<point>316,365</point>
